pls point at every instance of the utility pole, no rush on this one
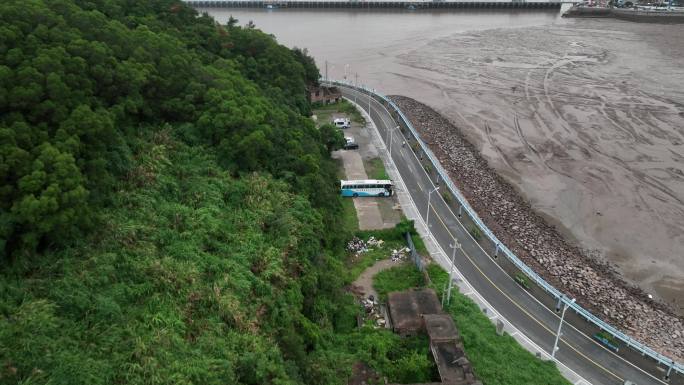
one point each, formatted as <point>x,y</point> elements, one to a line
<point>455,246</point>
<point>356,85</point>
<point>326,70</point>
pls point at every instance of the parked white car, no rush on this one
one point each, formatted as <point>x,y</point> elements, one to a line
<point>342,123</point>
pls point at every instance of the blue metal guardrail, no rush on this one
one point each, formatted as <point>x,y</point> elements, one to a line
<point>629,341</point>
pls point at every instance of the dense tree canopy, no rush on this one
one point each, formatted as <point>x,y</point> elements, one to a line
<point>80,80</point>
<point>168,211</point>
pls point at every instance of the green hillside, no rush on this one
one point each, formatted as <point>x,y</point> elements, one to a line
<point>168,211</point>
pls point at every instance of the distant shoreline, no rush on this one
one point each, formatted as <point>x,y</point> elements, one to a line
<point>639,15</point>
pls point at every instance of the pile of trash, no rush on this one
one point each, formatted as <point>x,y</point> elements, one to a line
<point>372,242</point>
<point>373,312</point>
<point>400,254</point>
<point>358,246</point>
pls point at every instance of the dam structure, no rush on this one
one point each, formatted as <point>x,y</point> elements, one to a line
<point>388,4</point>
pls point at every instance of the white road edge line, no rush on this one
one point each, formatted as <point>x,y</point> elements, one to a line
<point>568,373</point>
<point>501,268</point>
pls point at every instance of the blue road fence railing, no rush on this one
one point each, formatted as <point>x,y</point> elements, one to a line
<point>669,363</point>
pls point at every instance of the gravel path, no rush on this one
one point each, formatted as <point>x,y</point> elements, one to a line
<point>596,286</point>
<point>365,281</point>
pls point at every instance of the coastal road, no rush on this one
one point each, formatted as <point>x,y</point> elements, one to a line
<point>536,318</point>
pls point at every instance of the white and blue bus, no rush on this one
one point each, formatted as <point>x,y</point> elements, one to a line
<point>366,188</point>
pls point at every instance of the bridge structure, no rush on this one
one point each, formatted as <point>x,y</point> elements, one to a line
<point>388,4</point>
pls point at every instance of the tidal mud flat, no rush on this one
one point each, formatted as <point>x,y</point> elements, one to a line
<point>586,120</point>
<point>536,242</point>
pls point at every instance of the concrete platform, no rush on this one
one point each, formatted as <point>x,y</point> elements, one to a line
<point>408,307</point>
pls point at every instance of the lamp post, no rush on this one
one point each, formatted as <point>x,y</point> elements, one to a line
<point>560,325</point>
<point>427,215</point>
<point>369,100</point>
<point>356,85</point>
<point>455,246</point>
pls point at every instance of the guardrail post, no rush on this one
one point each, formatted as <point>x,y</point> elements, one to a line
<point>667,376</point>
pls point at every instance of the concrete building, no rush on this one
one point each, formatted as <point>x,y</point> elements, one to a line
<point>325,94</point>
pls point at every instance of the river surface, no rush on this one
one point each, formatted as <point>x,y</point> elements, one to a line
<point>586,116</point>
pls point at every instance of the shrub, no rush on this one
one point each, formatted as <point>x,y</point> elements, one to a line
<point>447,197</point>
<point>475,233</point>
<point>522,280</point>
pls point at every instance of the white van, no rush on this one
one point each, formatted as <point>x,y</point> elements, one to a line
<point>342,123</point>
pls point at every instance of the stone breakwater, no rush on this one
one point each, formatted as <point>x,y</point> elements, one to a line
<point>641,15</point>
<point>595,285</point>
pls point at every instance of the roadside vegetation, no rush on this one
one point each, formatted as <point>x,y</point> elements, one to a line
<point>497,360</point>
<point>375,169</point>
<point>351,222</point>
<point>392,239</point>
<point>324,112</point>
<point>401,277</point>
<point>400,360</point>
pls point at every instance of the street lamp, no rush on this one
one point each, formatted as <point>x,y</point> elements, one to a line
<point>356,85</point>
<point>369,100</point>
<point>455,246</point>
<point>427,215</point>
<point>558,333</point>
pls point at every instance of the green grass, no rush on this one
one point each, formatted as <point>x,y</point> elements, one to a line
<point>420,245</point>
<point>358,265</point>
<point>351,222</point>
<point>497,360</point>
<point>324,112</point>
<point>475,233</point>
<point>522,280</point>
<point>402,360</point>
<point>607,337</point>
<point>393,239</point>
<point>401,277</point>
<point>375,169</point>
<point>447,197</point>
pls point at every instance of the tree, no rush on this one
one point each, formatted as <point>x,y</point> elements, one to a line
<point>332,137</point>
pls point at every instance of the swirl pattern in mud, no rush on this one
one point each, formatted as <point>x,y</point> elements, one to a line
<point>538,244</point>
<point>588,124</point>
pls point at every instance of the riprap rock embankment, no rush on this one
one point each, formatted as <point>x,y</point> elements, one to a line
<point>595,285</point>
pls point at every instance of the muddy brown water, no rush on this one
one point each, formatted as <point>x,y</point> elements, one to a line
<point>586,116</point>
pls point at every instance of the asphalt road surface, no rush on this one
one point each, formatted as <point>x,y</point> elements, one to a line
<point>536,318</point>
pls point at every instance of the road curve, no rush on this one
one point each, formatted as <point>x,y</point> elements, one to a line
<point>535,318</point>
